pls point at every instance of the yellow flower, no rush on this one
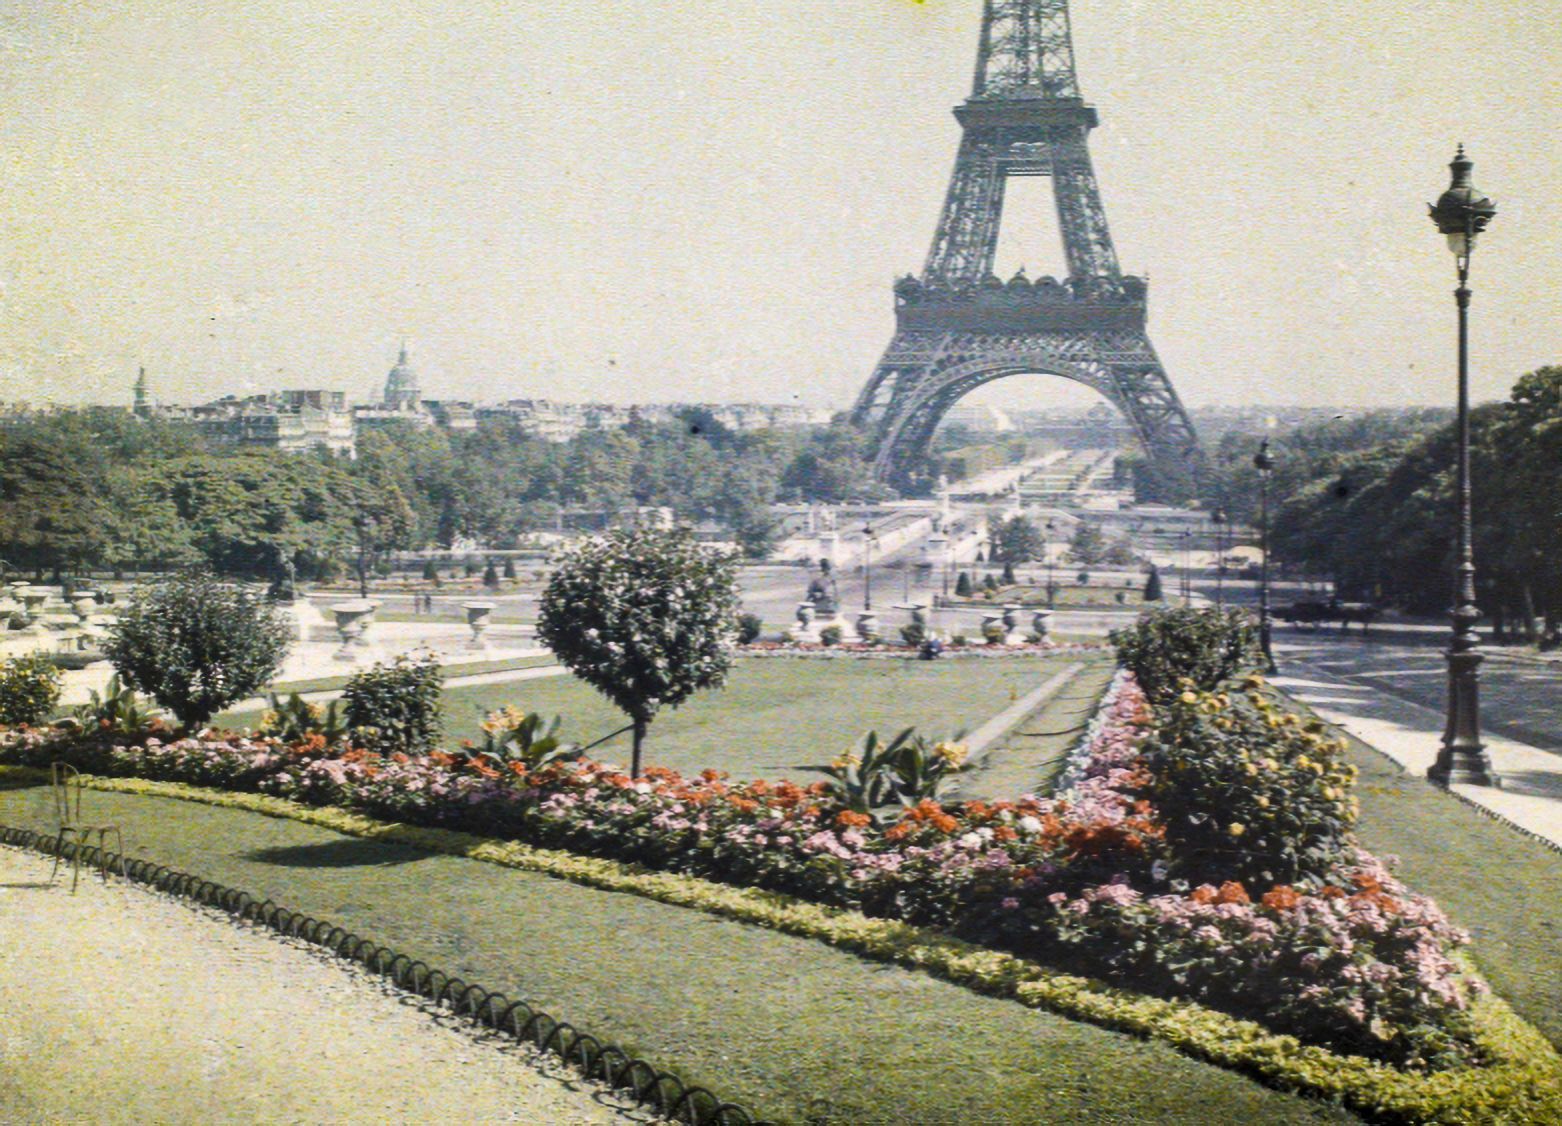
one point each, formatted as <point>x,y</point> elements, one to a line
<point>1303,762</point>
<point>1330,793</point>
<point>1252,770</point>
<point>1189,698</point>
<point>1236,828</point>
<point>1261,801</point>
<point>952,753</point>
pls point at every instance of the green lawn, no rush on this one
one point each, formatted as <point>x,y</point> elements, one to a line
<point>776,715</point>
<point>1504,887</point>
<point>766,1019</point>
<point>1028,758</point>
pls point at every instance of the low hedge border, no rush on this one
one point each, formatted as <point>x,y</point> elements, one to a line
<point>1523,1084</point>
<point>647,1084</point>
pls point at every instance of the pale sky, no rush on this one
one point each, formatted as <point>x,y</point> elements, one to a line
<point>702,199</point>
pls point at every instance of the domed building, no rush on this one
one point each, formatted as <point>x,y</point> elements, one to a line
<point>401,385</point>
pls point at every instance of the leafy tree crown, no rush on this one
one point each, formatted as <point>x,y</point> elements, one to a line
<point>196,645</point>
<point>645,616</point>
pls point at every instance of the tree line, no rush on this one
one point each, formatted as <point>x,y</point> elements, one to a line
<point>97,488</point>
<point>1369,502</point>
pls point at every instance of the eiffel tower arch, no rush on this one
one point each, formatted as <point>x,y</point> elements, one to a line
<point>958,326</point>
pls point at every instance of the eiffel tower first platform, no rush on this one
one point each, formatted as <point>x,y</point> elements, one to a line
<point>958,326</point>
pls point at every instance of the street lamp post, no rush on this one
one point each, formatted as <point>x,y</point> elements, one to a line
<point>1219,519</point>
<point>1264,463</point>
<point>867,567</point>
<point>1052,585</point>
<point>1182,567</point>
<point>1461,214</point>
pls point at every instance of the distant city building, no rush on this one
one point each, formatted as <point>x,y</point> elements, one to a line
<point>295,421</point>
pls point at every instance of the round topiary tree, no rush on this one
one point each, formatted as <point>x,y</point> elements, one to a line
<point>963,585</point>
<point>645,616</point>
<point>195,644</point>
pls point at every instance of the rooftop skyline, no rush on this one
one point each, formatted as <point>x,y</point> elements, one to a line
<point>706,203</point>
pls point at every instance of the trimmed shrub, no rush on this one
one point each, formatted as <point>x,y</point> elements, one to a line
<point>749,628</point>
<point>913,634</point>
<point>431,572</point>
<point>490,574</point>
<point>645,616</point>
<point>830,635</point>
<point>963,585</point>
<point>1247,790</point>
<point>509,568</point>
<point>395,707</point>
<point>1173,644</point>
<point>29,689</point>
<point>196,645</point>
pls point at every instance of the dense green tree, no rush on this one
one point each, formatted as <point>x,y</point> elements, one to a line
<point>1017,540</point>
<point>645,616</point>
<point>195,644</point>
<point>1088,544</point>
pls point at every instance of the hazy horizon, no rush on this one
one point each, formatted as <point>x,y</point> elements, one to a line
<point>695,202</point>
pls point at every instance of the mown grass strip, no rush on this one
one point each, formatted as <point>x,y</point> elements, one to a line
<point>1522,1084</point>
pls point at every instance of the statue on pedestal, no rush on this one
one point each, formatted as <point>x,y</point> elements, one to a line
<point>823,592</point>
<point>284,583</point>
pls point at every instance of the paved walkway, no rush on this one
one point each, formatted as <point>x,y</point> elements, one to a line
<point>1411,734</point>
<point>122,1006</point>
<point>452,679</point>
<point>1000,724</point>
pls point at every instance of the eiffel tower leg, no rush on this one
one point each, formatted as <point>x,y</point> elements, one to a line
<point>1145,395</point>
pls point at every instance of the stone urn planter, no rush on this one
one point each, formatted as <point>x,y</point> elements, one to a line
<point>993,629</point>
<point>868,626</point>
<point>84,604</point>
<point>477,615</point>
<point>805,629</point>
<point>1041,624</point>
<point>353,619</point>
<point>1011,623</point>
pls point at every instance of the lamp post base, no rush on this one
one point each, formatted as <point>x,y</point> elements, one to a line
<point>1463,760</point>
<point>1463,769</point>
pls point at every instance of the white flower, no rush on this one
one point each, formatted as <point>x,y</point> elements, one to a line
<point>970,840</point>
<point>1159,871</point>
<point>643,788</point>
<point>1028,824</point>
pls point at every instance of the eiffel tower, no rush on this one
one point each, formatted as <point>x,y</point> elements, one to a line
<point>958,326</point>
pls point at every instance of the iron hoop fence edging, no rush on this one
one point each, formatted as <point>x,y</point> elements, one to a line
<point>595,1059</point>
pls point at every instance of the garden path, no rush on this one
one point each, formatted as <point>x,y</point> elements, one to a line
<point>151,1010</point>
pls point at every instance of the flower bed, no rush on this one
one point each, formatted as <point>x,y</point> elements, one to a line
<point>1084,877</point>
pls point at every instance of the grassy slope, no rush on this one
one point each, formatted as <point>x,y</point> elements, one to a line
<point>770,1020</point>
<point>1502,886</point>
<point>776,715</point>
<point>1028,758</point>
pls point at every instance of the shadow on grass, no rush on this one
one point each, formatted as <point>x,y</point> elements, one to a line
<point>351,852</point>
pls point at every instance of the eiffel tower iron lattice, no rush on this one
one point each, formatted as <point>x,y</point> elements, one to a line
<point>958,326</point>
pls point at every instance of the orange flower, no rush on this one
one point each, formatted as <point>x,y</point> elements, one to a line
<point>899,831</point>
<point>945,823</point>
<point>743,805</point>
<point>1281,898</point>
<point>1204,893</point>
<point>850,819</point>
<point>1003,834</point>
<point>1232,892</point>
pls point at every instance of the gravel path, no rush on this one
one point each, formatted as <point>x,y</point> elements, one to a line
<point>123,1005</point>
